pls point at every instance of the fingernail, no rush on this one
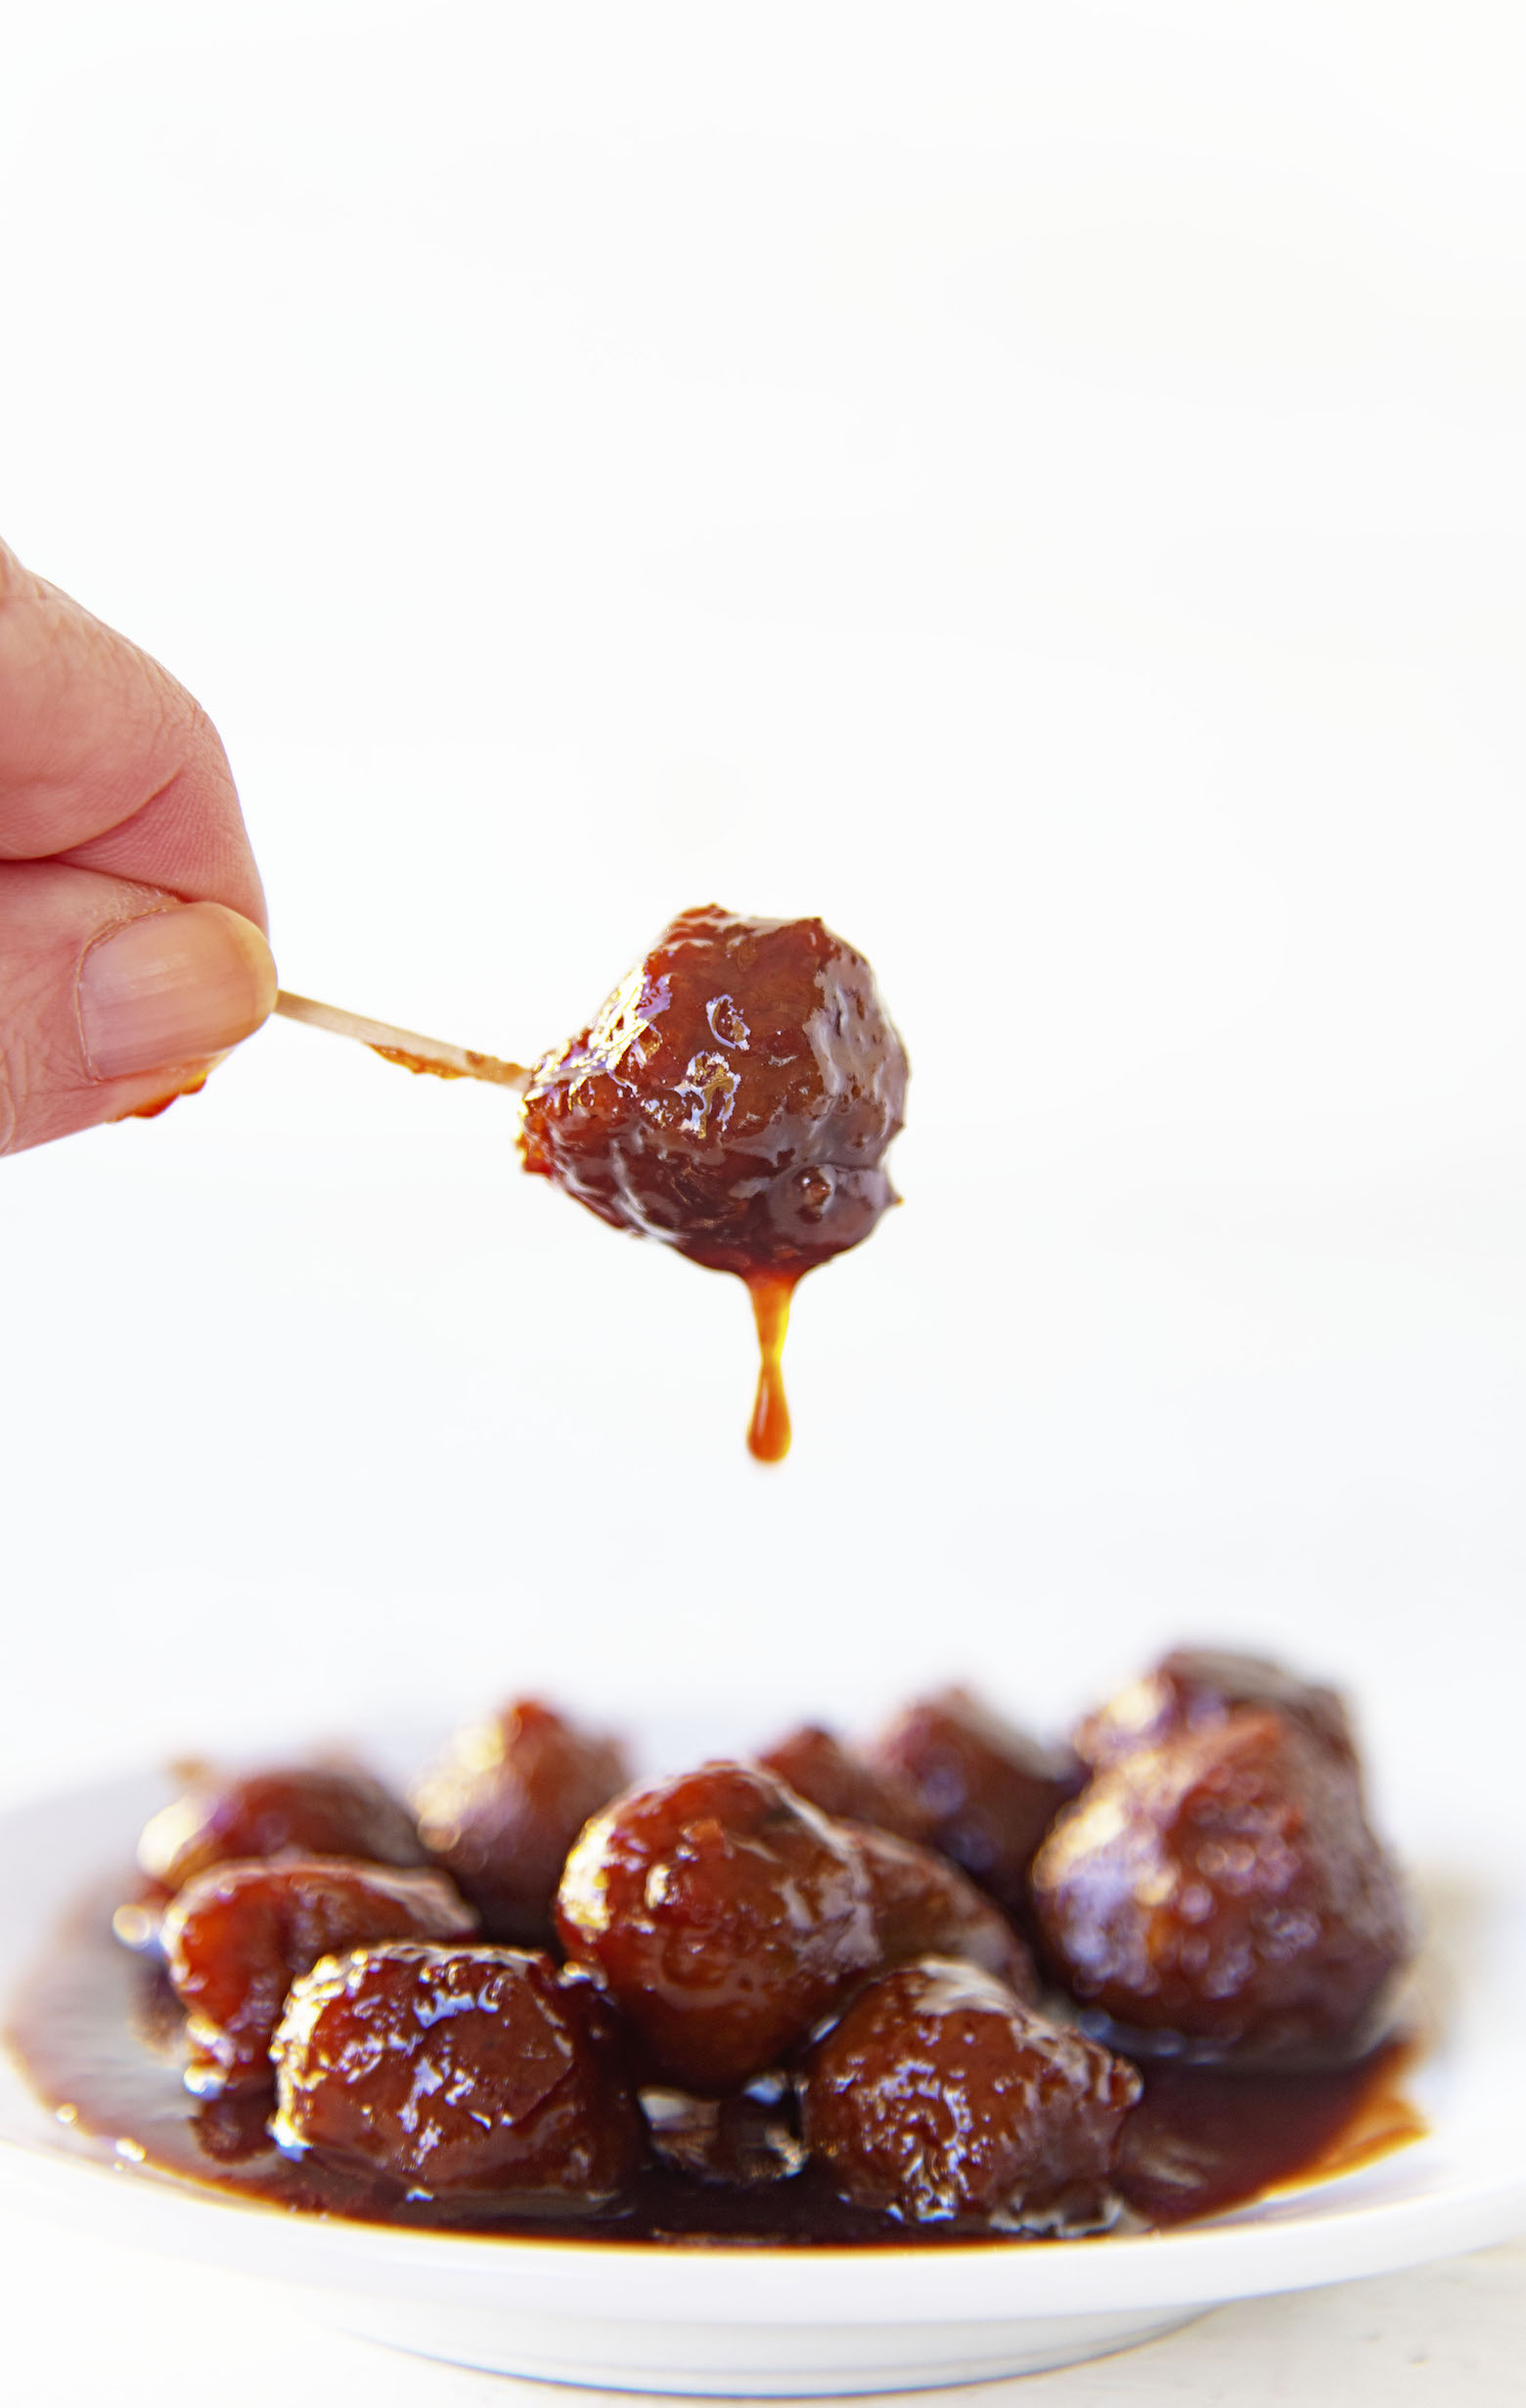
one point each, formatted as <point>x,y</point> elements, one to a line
<point>172,987</point>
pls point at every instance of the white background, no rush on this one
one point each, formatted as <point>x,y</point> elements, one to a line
<point>1042,488</point>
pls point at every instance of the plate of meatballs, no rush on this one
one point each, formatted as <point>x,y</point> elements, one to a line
<point>831,2066</point>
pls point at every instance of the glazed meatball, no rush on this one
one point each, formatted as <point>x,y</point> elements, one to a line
<point>925,1906</point>
<point>1197,1685</point>
<point>1225,1889</point>
<point>504,1806</point>
<point>235,1937</point>
<point>939,2098</point>
<point>988,1791</point>
<point>460,2071</point>
<point>723,1914</point>
<point>310,1811</point>
<point>733,1098</point>
<point>817,1765</point>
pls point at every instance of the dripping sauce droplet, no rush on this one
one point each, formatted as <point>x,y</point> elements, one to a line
<point>768,1433</point>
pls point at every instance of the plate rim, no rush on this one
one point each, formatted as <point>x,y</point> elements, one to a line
<point>654,2284</point>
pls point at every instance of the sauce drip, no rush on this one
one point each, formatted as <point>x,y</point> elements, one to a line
<point>768,1432</point>
<point>161,1103</point>
<point>98,2033</point>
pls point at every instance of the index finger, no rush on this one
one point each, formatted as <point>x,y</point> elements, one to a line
<point>105,762</point>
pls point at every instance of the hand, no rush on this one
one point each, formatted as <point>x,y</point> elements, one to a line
<point>132,948</point>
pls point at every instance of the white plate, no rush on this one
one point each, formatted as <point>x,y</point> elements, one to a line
<point>763,2322</point>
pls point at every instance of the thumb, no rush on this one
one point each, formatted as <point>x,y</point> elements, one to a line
<point>113,997</point>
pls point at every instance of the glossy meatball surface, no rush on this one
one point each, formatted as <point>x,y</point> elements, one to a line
<point>989,1792</point>
<point>1193,1686</point>
<point>723,1914</point>
<point>1224,1888</point>
<point>940,2098</point>
<point>734,1096</point>
<point>505,1804</point>
<point>460,2071</point>
<point>925,1907</point>
<point>817,1765</point>
<point>237,1937</point>
<point>303,1810</point>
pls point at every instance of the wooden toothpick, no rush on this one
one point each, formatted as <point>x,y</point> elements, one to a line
<point>403,1046</point>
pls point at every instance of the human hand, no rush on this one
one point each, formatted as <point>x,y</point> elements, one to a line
<point>132,952</point>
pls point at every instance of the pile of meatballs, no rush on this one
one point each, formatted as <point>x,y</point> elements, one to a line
<point>924,1966</point>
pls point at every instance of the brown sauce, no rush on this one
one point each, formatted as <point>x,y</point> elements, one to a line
<point>1202,2139</point>
<point>768,1432</point>
<point>96,2033</point>
<point>161,1103</point>
<point>472,1065</point>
